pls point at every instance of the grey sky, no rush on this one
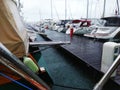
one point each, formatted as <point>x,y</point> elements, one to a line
<point>34,10</point>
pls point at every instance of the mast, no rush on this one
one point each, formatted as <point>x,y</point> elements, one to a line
<point>104,8</point>
<point>87,9</point>
<point>117,7</point>
<point>65,9</point>
<point>51,11</point>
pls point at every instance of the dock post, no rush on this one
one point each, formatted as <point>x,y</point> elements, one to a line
<point>107,75</point>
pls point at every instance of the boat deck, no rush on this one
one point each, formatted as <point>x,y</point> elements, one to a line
<point>87,50</point>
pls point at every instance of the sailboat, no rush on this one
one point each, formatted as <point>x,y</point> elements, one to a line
<point>14,45</point>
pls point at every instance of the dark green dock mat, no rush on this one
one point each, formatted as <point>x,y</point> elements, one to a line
<point>66,74</point>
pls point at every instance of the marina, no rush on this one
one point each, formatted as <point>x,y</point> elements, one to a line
<point>59,54</point>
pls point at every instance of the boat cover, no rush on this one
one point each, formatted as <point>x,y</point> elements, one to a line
<point>12,31</point>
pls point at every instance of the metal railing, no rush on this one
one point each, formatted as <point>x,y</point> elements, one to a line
<point>107,75</point>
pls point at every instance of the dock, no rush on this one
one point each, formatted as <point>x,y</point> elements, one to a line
<point>88,51</point>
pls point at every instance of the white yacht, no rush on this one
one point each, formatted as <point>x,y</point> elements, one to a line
<point>110,30</point>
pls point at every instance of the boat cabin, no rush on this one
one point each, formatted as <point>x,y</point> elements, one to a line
<point>113,21</point>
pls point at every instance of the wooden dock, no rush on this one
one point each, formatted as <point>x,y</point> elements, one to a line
<point>87,50</point>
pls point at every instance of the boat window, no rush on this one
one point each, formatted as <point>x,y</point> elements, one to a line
<point>112,22</point>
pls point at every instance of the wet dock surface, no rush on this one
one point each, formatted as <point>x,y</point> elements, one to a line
<point>85,49</point>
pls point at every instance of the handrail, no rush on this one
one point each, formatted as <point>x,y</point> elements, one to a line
<point>18,71</point>
<point>15,81</point>
<point>107,75</point>
<point>5,53</point>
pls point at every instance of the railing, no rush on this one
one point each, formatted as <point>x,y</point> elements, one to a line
<point>14,64</point>
<point>107,75</point>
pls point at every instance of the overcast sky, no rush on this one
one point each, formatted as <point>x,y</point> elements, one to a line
<point>34,10</point>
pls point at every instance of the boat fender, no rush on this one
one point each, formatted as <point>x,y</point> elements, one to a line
<point>29,63</point>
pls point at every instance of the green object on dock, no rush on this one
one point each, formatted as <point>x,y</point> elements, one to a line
<point>29,63</point>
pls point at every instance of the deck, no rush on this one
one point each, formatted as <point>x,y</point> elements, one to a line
<point>87,50</point>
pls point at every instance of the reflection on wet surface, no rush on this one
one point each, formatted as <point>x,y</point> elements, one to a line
<point>88,50</point>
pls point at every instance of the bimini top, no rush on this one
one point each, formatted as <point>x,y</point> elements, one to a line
<point>12,31</point>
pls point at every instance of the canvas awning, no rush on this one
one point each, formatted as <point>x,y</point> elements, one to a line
<point>12,31</point>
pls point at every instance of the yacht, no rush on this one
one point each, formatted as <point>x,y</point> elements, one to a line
<point>109,31</point>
